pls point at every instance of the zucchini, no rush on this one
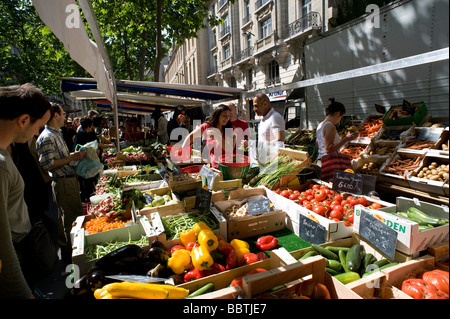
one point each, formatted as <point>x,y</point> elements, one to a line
<point>425,227</point>
<point>379,269</point>
<point>331,271</point>
<point>354,257</point>
<point>308,254</point>
<point>202,290</point>
<point>424,218</point>
<point>336,249</point>
<point>347,277</point>
<point>343,260</point>
<point>324,252</point>
<point>333,264</point>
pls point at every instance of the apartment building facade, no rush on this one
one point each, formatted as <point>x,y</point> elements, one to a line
<point>259,45</point>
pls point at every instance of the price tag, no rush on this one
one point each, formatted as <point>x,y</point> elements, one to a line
<point>348,182</point>
<point>430,134</point>
<point>209,174</point>
<point>378,233</point>
<point>409,107</point>
<point>260,206</point>
<point>380,108</point>
<point>203,200</point>
<point>312,231</point>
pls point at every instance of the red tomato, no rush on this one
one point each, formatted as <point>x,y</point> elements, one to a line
<point>347,207</point>
<point>297,192</point>
<point>344,202</point>
<point>309,197</point>
<point>437,278</point>
<point>320,195</point>
<point>375,206</point>
<point>337,198</point>
<point>316,186</point>
<point>326,203</point>
<point>285,193</point>
<point>336,214</point>
<point>353,201</point>
<point>362,201</point>
<point>290,191</point>
<point>308,206</point>
<point>350,217</point>
<point>301,199</point>
<point>293,196</point>
<point>419,289</point>
<point>320,210</point>
<point>323,187</point>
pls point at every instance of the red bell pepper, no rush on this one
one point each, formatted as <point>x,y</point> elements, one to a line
<point>175,248</point>
<point>191,245</point>
<point>261,255</point>
<point>267,242</point>
<point>193,274</point>
<point>215,269</point>
<point>250,258</point>
<point>228,250</point>
<point>238,281</point>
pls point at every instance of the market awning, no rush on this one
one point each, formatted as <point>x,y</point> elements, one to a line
<point>202,92</point>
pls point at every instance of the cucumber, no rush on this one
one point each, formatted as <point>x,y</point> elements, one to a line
<point>331,271</point>
<point>381,262</point>
<point>425,227</point>
<point>343,260</point>
<point>368,259</point>
<point>354,257</point>
<point>202,290</point>
<point>336,249</point>
<point>334,264</point>
<point>378,269</point>
<point>324,252</point>
<point>308,254</point>
<point>347,277</point>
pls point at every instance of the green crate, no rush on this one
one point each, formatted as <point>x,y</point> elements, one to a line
<point>417,118</point>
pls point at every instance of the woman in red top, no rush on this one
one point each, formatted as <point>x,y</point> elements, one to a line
<point>214,132</point>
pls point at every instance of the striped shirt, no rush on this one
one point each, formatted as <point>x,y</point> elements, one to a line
<point>50,146</point>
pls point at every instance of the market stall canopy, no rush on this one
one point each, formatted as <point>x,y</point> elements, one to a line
<point>202,92</point>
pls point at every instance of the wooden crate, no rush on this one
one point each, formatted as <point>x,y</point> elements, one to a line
<point>441,255</point>
<point>224,293</point>
<point>291,275</point>
<point>376,286</point>
<point>303,157</point>
<point>393,178</point>
<point>163,208</point>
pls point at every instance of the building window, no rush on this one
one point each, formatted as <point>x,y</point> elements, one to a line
<point>246,12</point>
<point>306,7</point>
<point>226,52</point>
<point>233,82</point>
<point>250,78</point>
<point>274,73</point>
<point>266,28</point>
<point>225,26</point>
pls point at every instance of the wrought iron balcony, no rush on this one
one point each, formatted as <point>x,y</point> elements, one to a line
<point>272,81</point>
<point>244,54</point>
<point>260,3</point>
<point>212,70</point>
<point>310,21</point>
<point>224,31</point>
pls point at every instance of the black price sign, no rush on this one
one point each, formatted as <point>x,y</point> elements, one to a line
<point>430,134</point>
<point>380,108</point>
<point>260,206</point>
<point>348,182</point>
<point>209,174</point>
<point>203,200</point>
<point>378,233</point>
<point>409,107</point>
<point>311,231</point>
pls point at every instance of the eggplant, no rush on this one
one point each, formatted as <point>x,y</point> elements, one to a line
<point>158,244</point>
<point>96,279</point>
<point>157,254</point>
<point>121,259</point>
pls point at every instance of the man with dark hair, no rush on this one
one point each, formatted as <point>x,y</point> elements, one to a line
<point>54,157</point>
<point>24,111</point>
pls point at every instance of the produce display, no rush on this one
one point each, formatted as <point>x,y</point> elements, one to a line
<point>385,150</point>
<point>354,151</point>
<point>434,172</point>
<point>370,127</point>
<point>416,144</point>
<point>424,220</point>
<point>369,168</point>
<point>432,284</point>
<point>400,166</point>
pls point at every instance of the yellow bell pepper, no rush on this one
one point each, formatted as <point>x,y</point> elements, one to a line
<point>201,258</point>
<point>188,236</point>
<point>200,226</point>
<point>241,247</point>
<point>207,238</point>
<point>179,261</point>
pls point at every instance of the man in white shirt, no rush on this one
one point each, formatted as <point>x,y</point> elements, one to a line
<point>271,129</point>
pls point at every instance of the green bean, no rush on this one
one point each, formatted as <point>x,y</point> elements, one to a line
<point>174,225</point>
<point>97,251</point>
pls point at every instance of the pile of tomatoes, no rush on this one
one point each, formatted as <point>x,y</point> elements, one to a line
<point>326,202</point>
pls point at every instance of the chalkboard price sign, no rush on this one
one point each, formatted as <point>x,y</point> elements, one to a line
<point>260,206</point>
<point>378,233</point>
<point>209,174</point>
<point>202,200</point>
<point>348,182</point>
<point>312,231</point>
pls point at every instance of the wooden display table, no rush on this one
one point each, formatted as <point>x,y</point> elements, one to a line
<point>412,193</point>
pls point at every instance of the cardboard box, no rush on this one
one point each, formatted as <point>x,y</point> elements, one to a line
<point>250,225</point>
<point>81,240</point>
<point>391,147</point>
<point>378,161</point>
<point>410,240</point>
<point>163,208</point>
<point>335,230</point>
